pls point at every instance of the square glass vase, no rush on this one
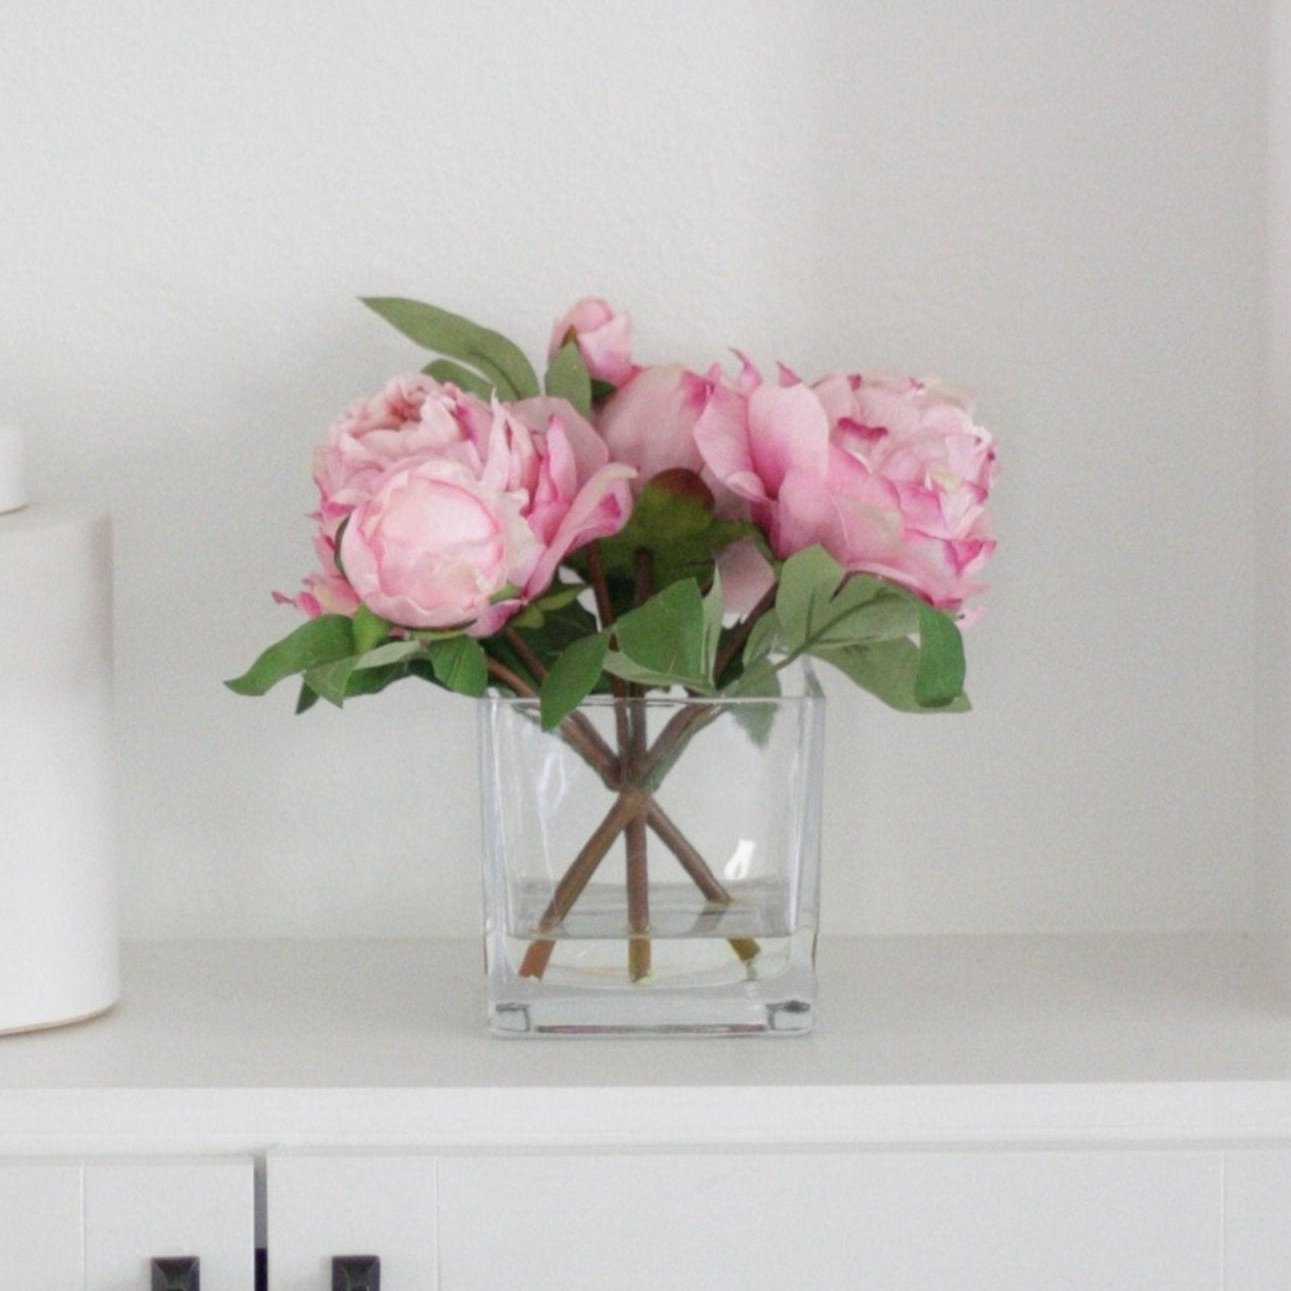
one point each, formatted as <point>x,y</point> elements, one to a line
<point>652,865</point>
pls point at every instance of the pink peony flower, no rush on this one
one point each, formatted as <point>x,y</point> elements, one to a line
<point>889,476</point>
<point>650,422</point>
<point>451,512</point>
<point>412,415</point>
<point>604,339</point>
<point>433,546</point>
<point>327,591</point>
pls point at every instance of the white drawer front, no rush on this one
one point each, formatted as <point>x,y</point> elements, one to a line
<point>1257,1213</point>
<point>137,1211</point>
<point>40,1226</point>
<point>887,1221</point>
<point>321,1206</point>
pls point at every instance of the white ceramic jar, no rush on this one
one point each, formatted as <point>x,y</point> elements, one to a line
<point>58,903</point>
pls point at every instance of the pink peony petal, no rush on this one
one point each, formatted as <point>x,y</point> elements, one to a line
<point>587,444</point>
<point>601,508</point>
<point>787,430</point>
<point>650,423</point>
<point>745,576</point>
<point>721,435</point>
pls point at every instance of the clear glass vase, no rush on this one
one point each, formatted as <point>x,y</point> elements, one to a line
<point>652,865</point>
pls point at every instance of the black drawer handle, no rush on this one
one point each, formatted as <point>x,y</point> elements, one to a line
<point>356,1273</point>
<point>180,1274</point>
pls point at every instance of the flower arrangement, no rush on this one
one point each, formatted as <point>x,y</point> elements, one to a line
<point>629,530</point>
<point>629,526</point>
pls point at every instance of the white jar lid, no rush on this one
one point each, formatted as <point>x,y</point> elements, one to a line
<point>13,479</point>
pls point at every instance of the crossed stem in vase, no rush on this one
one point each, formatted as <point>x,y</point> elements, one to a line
<point>635,811</point>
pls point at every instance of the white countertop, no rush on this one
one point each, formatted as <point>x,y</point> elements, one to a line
<point>242,1045</point>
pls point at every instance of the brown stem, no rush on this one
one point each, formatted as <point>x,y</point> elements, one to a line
<point>605,613</point>
<point>526,654</point>
<point>683,723</point>
<point>680,728</point>
<point>692,862</point>
<point>629,804</point>
<point>644,569</point>
<point>638,900</point>
<point>600,585</point>
<point>695,866</point>
<point>634,834</point>
<point>508,677</point>
<point>583,737</point>
<point>632,759</point>
<point>739,637</point>
<point>588,743</point>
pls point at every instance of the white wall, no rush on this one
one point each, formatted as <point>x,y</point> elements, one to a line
<point>1057,204</point>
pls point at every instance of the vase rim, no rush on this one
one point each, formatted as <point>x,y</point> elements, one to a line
<point>806,690</point>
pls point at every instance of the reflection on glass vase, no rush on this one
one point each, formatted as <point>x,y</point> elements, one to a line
<point>652,865</point>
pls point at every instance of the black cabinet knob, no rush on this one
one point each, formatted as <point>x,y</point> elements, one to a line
<point>356,1273</point>
<point>179,1274</point>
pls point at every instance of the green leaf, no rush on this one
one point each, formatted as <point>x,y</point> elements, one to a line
<point>572,678</point>
<point>460,664</point>
<point>564,594</point>
<point>808,581</point>
<point>761,681</point>
<point>817,602</point>
<point>463,378</point>
<point>344,678</point>
<point>390,652</point>
<point>306,699</point>
<point>712,624</point>
<point>529,617</point>
<point>862,625</point>
<point>673,520</point>
<point>818,605</point>
<point>891,613</point>
<point>329,680</point>
<point>601,390</point>
<point>430,635</point>
<point>567,378</point>
<point>534,615</point>
<point>887,669</point>
<point>369,630</point>
<point>666,641</point>
<point>498,359</point>
<point>322,640</point>
<point>940,676</point>
<point>762,639</point>
<point>421,668</point>
<point>368,681</point>
<point>554,625</point>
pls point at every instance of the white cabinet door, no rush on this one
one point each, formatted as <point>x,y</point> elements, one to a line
<point>1257,1215</point>
<point>325,1205</point>
<point>138,1211</point>
<point>41,1246</point>
<point>883,1221</point>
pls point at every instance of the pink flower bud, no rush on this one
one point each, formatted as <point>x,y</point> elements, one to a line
<point>604,339</point>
